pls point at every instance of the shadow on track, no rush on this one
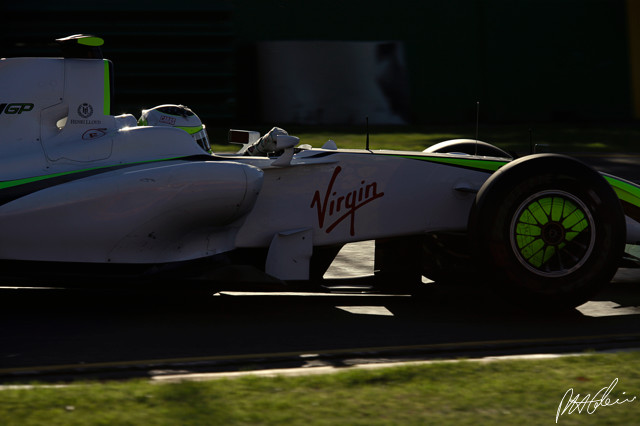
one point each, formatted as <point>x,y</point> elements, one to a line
<point>179,330</point>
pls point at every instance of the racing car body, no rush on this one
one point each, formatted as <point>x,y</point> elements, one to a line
<point>84,193</point>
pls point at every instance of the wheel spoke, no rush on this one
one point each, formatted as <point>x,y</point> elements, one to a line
<point>559,254</point>
<point>552,233</point>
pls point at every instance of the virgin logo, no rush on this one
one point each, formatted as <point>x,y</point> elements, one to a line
<point>333,208</point>
<point>93,134</point>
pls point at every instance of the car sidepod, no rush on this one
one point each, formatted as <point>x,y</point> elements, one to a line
<point>153,212</point>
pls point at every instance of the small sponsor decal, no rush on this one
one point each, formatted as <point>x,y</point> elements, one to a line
<point>85,110</point>
<point>85,121</point>
<point>167,120</point>
<point>15,108</point>
<point>94,134</point>
<point>333,208</point>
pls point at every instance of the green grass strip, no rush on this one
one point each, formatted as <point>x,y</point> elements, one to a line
<point>463,393</point>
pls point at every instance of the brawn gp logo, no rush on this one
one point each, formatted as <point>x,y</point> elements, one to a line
<point>15,108</point>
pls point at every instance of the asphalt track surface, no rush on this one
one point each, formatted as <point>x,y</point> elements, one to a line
<point>55,334</point>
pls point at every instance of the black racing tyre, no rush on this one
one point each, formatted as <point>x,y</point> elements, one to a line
<point>547,231</point>
<point>468,146</point>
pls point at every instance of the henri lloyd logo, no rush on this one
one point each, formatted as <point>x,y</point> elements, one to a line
<point>333,208</point>
<point>85,111</point>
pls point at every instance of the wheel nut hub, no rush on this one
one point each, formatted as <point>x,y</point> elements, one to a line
<point>553,233</point>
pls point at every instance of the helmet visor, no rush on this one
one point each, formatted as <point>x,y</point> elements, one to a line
<point>202,139</point>
<point>199,134</point>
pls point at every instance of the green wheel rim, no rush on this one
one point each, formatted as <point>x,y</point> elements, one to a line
<point>552,233</point>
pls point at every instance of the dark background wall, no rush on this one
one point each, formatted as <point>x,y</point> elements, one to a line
<point>523,60</point>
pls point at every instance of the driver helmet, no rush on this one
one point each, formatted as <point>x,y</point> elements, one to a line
<point>178,116</point>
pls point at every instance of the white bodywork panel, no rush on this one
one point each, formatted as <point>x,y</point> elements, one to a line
<point>359,196</point>
<point>289,255</point>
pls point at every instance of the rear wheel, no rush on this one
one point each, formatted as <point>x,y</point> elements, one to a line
<point>469,147</point>
<point>547,231</point>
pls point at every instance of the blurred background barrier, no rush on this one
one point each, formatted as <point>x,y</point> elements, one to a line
<point>266,61</point>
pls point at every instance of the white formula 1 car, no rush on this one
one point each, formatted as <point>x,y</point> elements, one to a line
<point>87,197</point>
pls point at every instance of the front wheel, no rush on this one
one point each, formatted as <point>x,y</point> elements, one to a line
<point>547,231</point>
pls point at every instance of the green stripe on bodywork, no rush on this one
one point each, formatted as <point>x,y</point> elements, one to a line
<point>106,106</point>
<point>626,191</point>
<point>18,182</point>
<point>471,163</point>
